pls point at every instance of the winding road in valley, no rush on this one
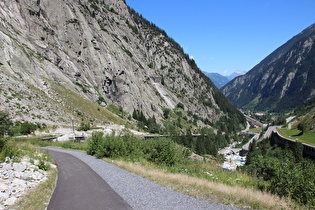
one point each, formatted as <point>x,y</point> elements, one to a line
<point>85,182</point>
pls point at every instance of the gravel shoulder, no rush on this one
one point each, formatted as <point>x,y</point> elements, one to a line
<point>138,192</point>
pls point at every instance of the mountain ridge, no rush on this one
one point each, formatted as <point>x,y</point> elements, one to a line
<point>219,80</point>
<point>100,51</point>
<point>281,81</point>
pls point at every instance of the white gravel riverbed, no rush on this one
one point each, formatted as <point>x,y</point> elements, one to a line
<point>141,193</point>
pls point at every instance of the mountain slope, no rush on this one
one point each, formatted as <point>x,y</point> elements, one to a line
<point>218,79</point>
<point>101,52</point>
<point>282,81</point>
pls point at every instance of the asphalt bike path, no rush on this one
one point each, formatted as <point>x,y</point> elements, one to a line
<point>80,187</point>
<point>85,182</point>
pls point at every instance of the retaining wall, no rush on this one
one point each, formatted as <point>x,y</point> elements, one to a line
<point>308,150</point>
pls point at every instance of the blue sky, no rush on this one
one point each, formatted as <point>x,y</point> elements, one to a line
<point>227,35</point>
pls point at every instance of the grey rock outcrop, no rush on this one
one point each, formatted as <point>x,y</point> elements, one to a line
<point>102,51</point>
<point>18,178</point>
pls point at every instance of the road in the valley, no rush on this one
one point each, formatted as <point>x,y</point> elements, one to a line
<point>79,187</point>
<point>270,130</point>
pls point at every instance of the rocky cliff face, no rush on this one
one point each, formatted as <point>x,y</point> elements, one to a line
<point>283,80</point>
<point>53,52</point>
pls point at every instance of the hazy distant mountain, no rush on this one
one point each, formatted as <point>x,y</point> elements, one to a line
<point>283,80</point>
<point>220,80</point>
<point>235,74</point>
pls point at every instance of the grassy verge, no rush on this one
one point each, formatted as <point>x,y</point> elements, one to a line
<point>256,130</point>
<point>165,162</point>
<point>39,197</point>
<point>207,190</point>
<point>307,137</point>
<point>81,146</point>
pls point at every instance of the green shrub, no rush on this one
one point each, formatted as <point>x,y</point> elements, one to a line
<point>180,105</point>
<point>163,151</point>
<point>27,128</point>
<point>100,99</point>
<point>24,128</point>
<point>166,113</point>
<point>43,165</point>
<point>160,151</point>
<point>94,143</point>
<point>8,149</point>
<point>2,143</point>
<point>84,127</point>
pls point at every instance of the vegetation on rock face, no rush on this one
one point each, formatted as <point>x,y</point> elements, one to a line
<point>16,128</point>
<point>149,125</point>
<point>84,127</point>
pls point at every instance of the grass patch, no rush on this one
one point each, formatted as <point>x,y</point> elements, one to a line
<point>251,105</point>
<point>38,198</point>
<point>308,137</point>
<point>72,145</point>
<point>210,171</point>
<point>86,108</point>
<point>117,110</point>
<point>256,130</point>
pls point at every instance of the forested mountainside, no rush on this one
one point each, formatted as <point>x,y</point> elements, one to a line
<point>282,81</point>
<point>67,58</point>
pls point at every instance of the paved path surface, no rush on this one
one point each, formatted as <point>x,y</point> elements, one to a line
<point>84,190</point>
<point>80,187</point>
